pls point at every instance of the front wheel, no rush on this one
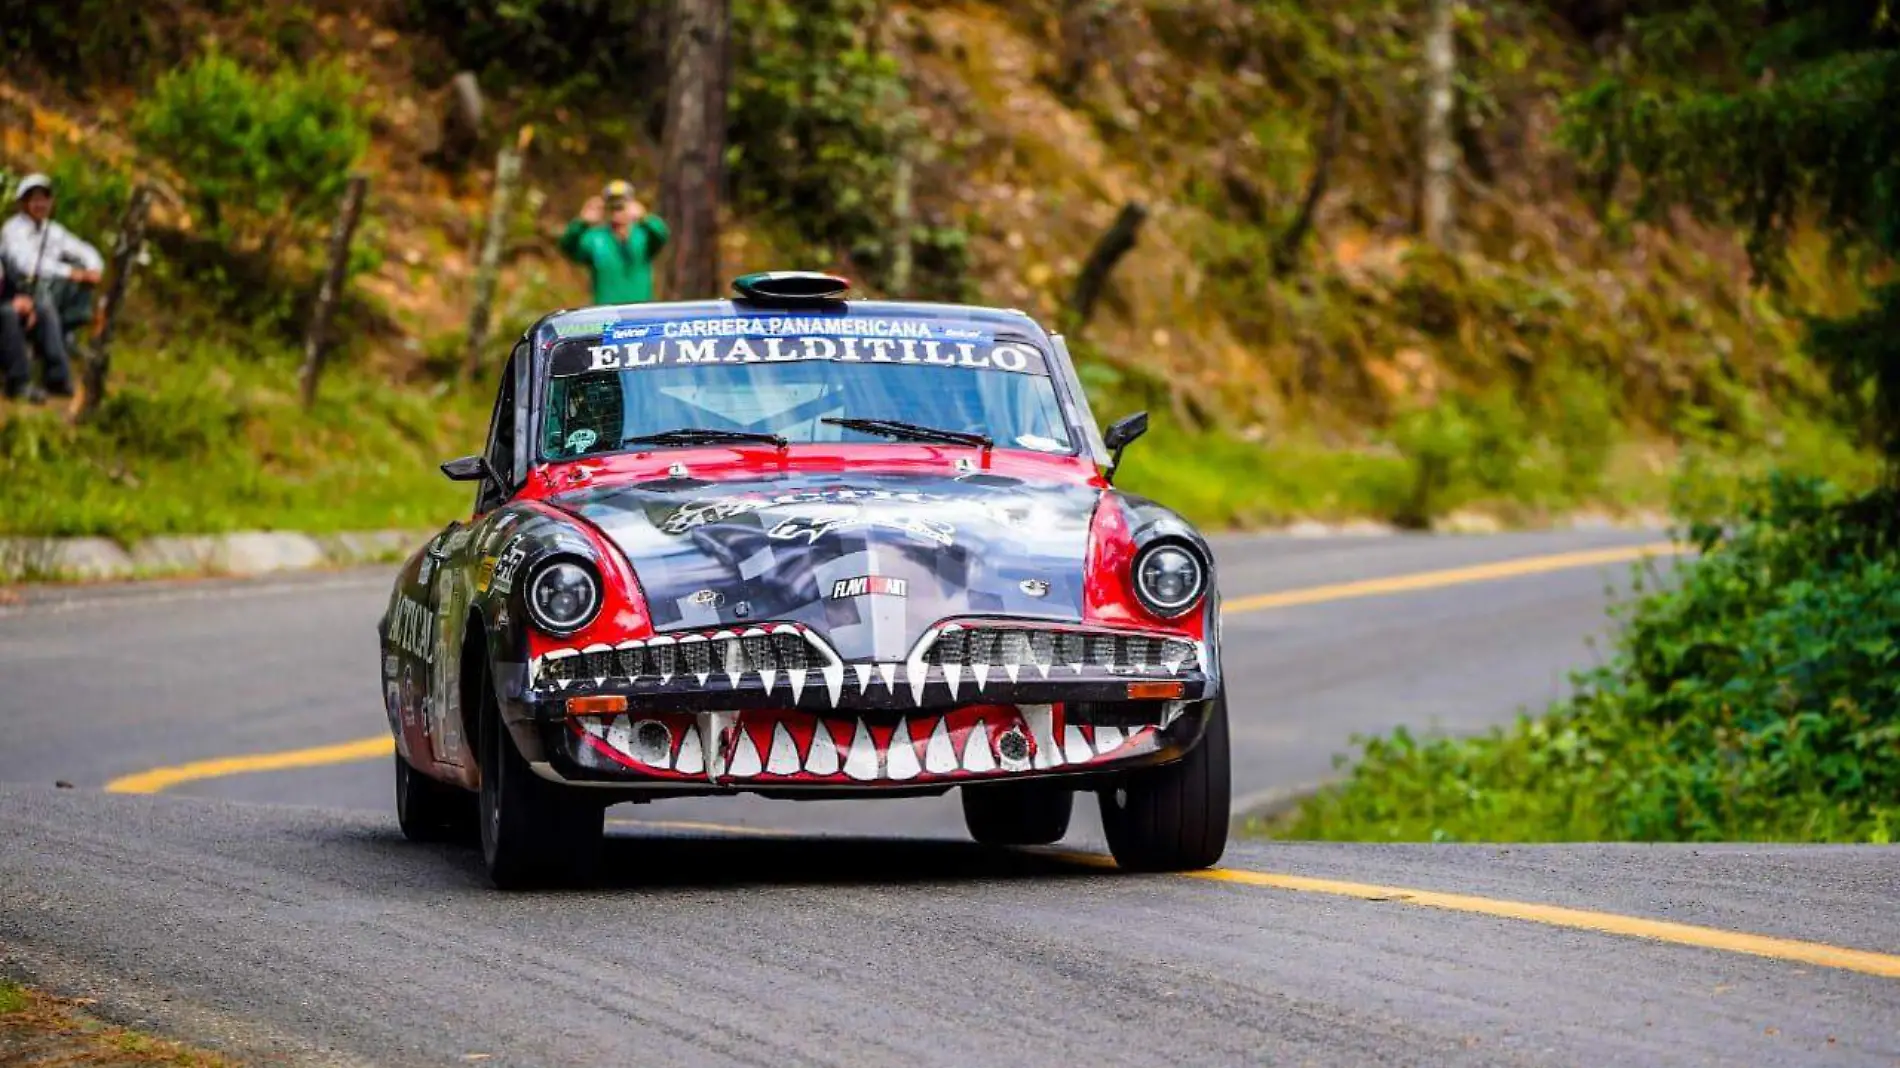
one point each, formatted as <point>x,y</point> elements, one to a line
<point>1017,813</point>
<point>534,832</point>
<point>1174,817</point>
<point>430,811</point>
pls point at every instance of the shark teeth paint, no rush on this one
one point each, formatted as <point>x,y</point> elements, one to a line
<point>793,746</point>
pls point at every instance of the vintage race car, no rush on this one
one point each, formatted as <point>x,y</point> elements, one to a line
<point>804,547</point>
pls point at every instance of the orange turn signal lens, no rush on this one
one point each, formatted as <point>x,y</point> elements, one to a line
<point>595,706</point>
<point>1137,691</point>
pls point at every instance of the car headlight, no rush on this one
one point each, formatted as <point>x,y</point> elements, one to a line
<point>1169,579</point>
<point>563,596</point>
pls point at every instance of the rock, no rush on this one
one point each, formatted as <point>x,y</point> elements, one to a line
<point>169,554</point>
<point>62,558</point>
<point>259,552</point>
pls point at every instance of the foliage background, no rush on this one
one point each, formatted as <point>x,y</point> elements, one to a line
<point>1758,700</point>
<point>1584,340</point>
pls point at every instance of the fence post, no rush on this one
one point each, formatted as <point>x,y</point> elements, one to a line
<point>125,257</point>
<point>488,267</point>
<point>340,233</point>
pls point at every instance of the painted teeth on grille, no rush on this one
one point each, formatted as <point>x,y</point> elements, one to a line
<point>1039,648</point>
<point>785,650</point>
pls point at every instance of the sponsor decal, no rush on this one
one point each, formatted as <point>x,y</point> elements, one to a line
<point>485,573</point>
<point>1040,443</point>
<point>426,570</point>
<point>707,598</point>
<point>811,528</point>
<point>580,328</point>
<point>505,567</point>
<point>412,629</point>
<point>581,440</point>
<point>1034,587</point>
<point>575,358</point>
<point>870,586</point>
<point>699,513</point>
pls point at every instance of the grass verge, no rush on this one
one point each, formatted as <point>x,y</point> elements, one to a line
<point>1757,699</point>
<point>37,1028</point>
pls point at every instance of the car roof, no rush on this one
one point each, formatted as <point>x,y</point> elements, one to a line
<point>574,322</point>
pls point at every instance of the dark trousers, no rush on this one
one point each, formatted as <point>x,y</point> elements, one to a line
<point>47,336</point>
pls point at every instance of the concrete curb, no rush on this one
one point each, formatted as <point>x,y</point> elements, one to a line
<point>249,552</point>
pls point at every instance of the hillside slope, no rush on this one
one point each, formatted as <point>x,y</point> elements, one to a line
<point>1564,354</point>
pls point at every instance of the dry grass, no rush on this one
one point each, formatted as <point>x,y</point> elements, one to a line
<point>43,1031</point>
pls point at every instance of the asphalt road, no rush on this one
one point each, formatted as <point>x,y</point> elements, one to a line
<point>281,916</point>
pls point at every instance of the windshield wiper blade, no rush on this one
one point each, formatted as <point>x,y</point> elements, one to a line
<point>897,428</point>
<point>692,435</point>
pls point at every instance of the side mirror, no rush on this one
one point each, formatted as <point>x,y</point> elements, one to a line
<point>1120,434</point>
<point>473,469</point>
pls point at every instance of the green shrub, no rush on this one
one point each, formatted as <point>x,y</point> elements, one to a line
<point>1758,699</point>
<point>265,156</point>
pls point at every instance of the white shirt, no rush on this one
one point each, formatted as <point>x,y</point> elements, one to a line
<point>21,241</point>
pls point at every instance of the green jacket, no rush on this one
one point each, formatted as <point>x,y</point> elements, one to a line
<point>623,271</point>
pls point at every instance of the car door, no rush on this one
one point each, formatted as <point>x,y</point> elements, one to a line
<point>465,558</point>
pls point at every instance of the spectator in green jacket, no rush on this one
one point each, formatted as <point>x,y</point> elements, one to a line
<point>616,239</point>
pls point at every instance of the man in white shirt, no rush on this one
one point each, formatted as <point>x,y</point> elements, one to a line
<point>35,247</point>
<point>48,267</point>
<point>45,258</point>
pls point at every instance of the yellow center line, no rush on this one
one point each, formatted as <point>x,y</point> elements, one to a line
<point>151,782</point>
<point>1816,953</point>
<point>147,782</point>
<point>1454,576</point>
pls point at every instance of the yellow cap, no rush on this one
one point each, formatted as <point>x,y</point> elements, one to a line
<point>618,189</point>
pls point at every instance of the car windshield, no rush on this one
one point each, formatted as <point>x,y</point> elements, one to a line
<point>742,380</point>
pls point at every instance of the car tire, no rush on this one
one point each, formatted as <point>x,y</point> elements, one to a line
<point>431,811</point>
<point>1173,817</point>
<point>1017,813</point>
<point>534,833</point>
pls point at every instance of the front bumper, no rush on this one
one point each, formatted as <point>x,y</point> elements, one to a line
<point>936,719</point>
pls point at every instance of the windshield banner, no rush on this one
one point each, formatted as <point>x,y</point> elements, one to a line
<point>659,349</point>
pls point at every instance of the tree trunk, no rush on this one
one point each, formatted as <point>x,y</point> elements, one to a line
<point>693,144</point>
<point>901,222</point>
<point>125,257</point>
<point>1439,145</point>
<point>340,233</point>
<point>1287,248</point>
<point>1114,244</point>
<point>507,177</point>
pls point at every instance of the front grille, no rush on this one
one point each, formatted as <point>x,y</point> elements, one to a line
<point>786,649</point>
<point>1001,646</point>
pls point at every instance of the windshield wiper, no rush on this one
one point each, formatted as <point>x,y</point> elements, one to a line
<point>694,435</point>
<point>897,428</point>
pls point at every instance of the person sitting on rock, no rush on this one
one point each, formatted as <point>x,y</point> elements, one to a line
<point>46,259</point>
<point>616,239</point>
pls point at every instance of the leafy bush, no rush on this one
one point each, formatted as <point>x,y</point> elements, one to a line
<point>1757,700</point>
<point>265,156</point>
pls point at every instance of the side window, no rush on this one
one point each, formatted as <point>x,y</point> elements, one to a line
<point>501,439</point>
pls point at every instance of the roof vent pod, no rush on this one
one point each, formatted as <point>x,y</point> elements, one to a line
<point>791,288</point>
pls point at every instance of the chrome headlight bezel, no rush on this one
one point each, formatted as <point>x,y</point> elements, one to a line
<point>548,569</point>
<point>1157,605</point>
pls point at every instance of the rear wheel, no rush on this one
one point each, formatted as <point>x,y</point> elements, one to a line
<point>430,811</point>
<point>534,832</point>
<point>1174,817</point>
<point>1017,813</point>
